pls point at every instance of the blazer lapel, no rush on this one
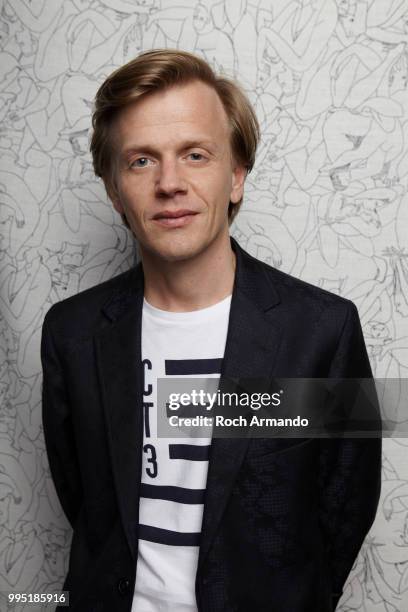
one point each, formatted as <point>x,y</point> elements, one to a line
<point>118,354</point>
<point>250,352</point>
<point>251,349</point>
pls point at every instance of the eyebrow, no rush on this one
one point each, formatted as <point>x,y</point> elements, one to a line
<point>187,144</point>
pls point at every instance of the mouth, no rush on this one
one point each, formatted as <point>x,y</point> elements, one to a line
<point>177,218</point>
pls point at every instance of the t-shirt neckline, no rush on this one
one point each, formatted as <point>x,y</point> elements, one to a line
<point>169,315</point>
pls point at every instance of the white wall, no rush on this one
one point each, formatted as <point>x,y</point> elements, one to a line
<point>327,201</point>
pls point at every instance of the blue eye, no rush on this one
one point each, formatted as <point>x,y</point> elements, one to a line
<point>141,162</point>
<point>196,156</point>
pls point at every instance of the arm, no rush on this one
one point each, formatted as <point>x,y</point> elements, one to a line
<point>58,429</point>
<point>350,468</point>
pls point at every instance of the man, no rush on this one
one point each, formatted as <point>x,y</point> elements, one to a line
<point>231,524</point>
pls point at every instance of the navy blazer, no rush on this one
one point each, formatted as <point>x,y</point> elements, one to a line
<point>284,518</point>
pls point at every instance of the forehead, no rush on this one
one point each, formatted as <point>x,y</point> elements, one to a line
<point>182,111</point>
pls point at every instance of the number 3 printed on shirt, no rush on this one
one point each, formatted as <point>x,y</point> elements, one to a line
<point>151,471</point>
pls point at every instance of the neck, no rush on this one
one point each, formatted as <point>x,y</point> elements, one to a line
<point>193,283</point>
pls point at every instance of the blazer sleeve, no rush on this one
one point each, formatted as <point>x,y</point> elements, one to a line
<point>58,429</point>
<point>350,468</point>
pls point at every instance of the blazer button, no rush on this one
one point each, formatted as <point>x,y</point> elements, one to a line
<point>123,586</point>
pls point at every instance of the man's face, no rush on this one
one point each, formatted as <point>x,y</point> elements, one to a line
<point>174,155</point>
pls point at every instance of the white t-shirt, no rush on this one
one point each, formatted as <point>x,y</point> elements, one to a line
<point>174,471</point>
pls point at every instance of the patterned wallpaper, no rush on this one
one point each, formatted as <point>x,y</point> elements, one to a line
<point>326,201</point>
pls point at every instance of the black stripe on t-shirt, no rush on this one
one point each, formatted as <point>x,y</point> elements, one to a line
<point>174,494</point>
<point>192,366</point>
<point>165,536</point>
<point>192,452</point>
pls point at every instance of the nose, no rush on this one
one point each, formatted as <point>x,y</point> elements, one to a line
<point>170,180</point>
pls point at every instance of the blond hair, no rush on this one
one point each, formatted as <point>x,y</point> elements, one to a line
<point>156,70</point>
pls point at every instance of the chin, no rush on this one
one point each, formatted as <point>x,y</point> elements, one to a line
<point>182,250</point>
<point>179,254</point>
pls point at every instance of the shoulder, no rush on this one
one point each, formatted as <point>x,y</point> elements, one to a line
<point>297,306</point>
<point>295,293</point>
<point>87,304</point>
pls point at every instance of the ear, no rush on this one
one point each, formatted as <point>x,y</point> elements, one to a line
<point>239,173</point>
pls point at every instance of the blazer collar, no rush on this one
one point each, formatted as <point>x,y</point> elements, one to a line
<point>252,344</point>
<point>250,279</point>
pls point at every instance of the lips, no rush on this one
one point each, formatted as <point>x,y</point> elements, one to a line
<point>174,214</point>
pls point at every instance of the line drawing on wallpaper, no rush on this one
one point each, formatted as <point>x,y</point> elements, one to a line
<point>326,201</point>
